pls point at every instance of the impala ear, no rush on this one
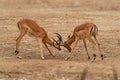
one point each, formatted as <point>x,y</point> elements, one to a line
<point>68,36</point>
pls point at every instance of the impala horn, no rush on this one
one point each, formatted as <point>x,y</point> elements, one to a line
<point>60,41</point>
<point>55,40</point>
<point>56,45</point>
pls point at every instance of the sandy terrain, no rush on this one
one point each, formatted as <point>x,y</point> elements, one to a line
<point>62,17</point>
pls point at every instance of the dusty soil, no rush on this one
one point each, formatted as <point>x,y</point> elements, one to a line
<point>61,20</point>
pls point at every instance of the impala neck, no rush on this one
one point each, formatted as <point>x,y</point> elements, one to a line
<point>70,40</point>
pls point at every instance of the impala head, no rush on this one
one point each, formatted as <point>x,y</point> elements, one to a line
<point>61,43</point>
<point>67,45</point>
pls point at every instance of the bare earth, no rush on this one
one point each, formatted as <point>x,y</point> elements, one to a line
<point>61,20</point>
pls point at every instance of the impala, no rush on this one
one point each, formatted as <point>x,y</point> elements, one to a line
<point>29,26</point>
<point>83,32</point>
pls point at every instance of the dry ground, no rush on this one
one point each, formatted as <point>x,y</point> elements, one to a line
<point>61,20</point>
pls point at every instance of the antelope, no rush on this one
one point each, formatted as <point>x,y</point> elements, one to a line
<point>32,28</point>
<point>83,32</point>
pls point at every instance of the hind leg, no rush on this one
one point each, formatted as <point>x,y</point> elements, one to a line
<point>94,46</point>
<point>99,47</point>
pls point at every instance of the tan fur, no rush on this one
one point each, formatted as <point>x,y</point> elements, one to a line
<point>82,32</point>
<point>32,28</point>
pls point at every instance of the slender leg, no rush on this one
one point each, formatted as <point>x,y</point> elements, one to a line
<point>75,44</point>
<point>68,56</point>
<point>41,47</point>
<point>98,46</point>
<point>73,49</point>
<point>22,33</point>
<point>48,49</point>
<point>86,48</point>
<point>94,46</point>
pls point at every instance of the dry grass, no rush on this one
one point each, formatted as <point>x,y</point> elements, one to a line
<point>59,16</point>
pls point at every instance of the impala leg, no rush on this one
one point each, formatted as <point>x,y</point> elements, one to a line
<point>98,47</point>
<point>73,49</point>
<point>41,48</point>
<point>75,44</point>
<point>86,48</point>
<point>94,46</point>
<point>48,49</point>
<point>22,33</point>
<point>68,56</point>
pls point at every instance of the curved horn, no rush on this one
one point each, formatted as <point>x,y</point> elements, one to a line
<point>59,37</point>
<point>56,44</point>
<point>54,40</point>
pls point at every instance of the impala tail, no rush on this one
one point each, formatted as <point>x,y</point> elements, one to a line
<point>94,31</point>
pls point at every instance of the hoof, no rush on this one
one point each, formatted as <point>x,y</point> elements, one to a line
<point>92,60</point>
<point>88,57</point>
<point>102,56</point>
<point>53,55</point>
<point>94,56</point>
<point>42,58</point>
<point>19,57</point>
<point>67,58</point>
<point>16,52</point>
